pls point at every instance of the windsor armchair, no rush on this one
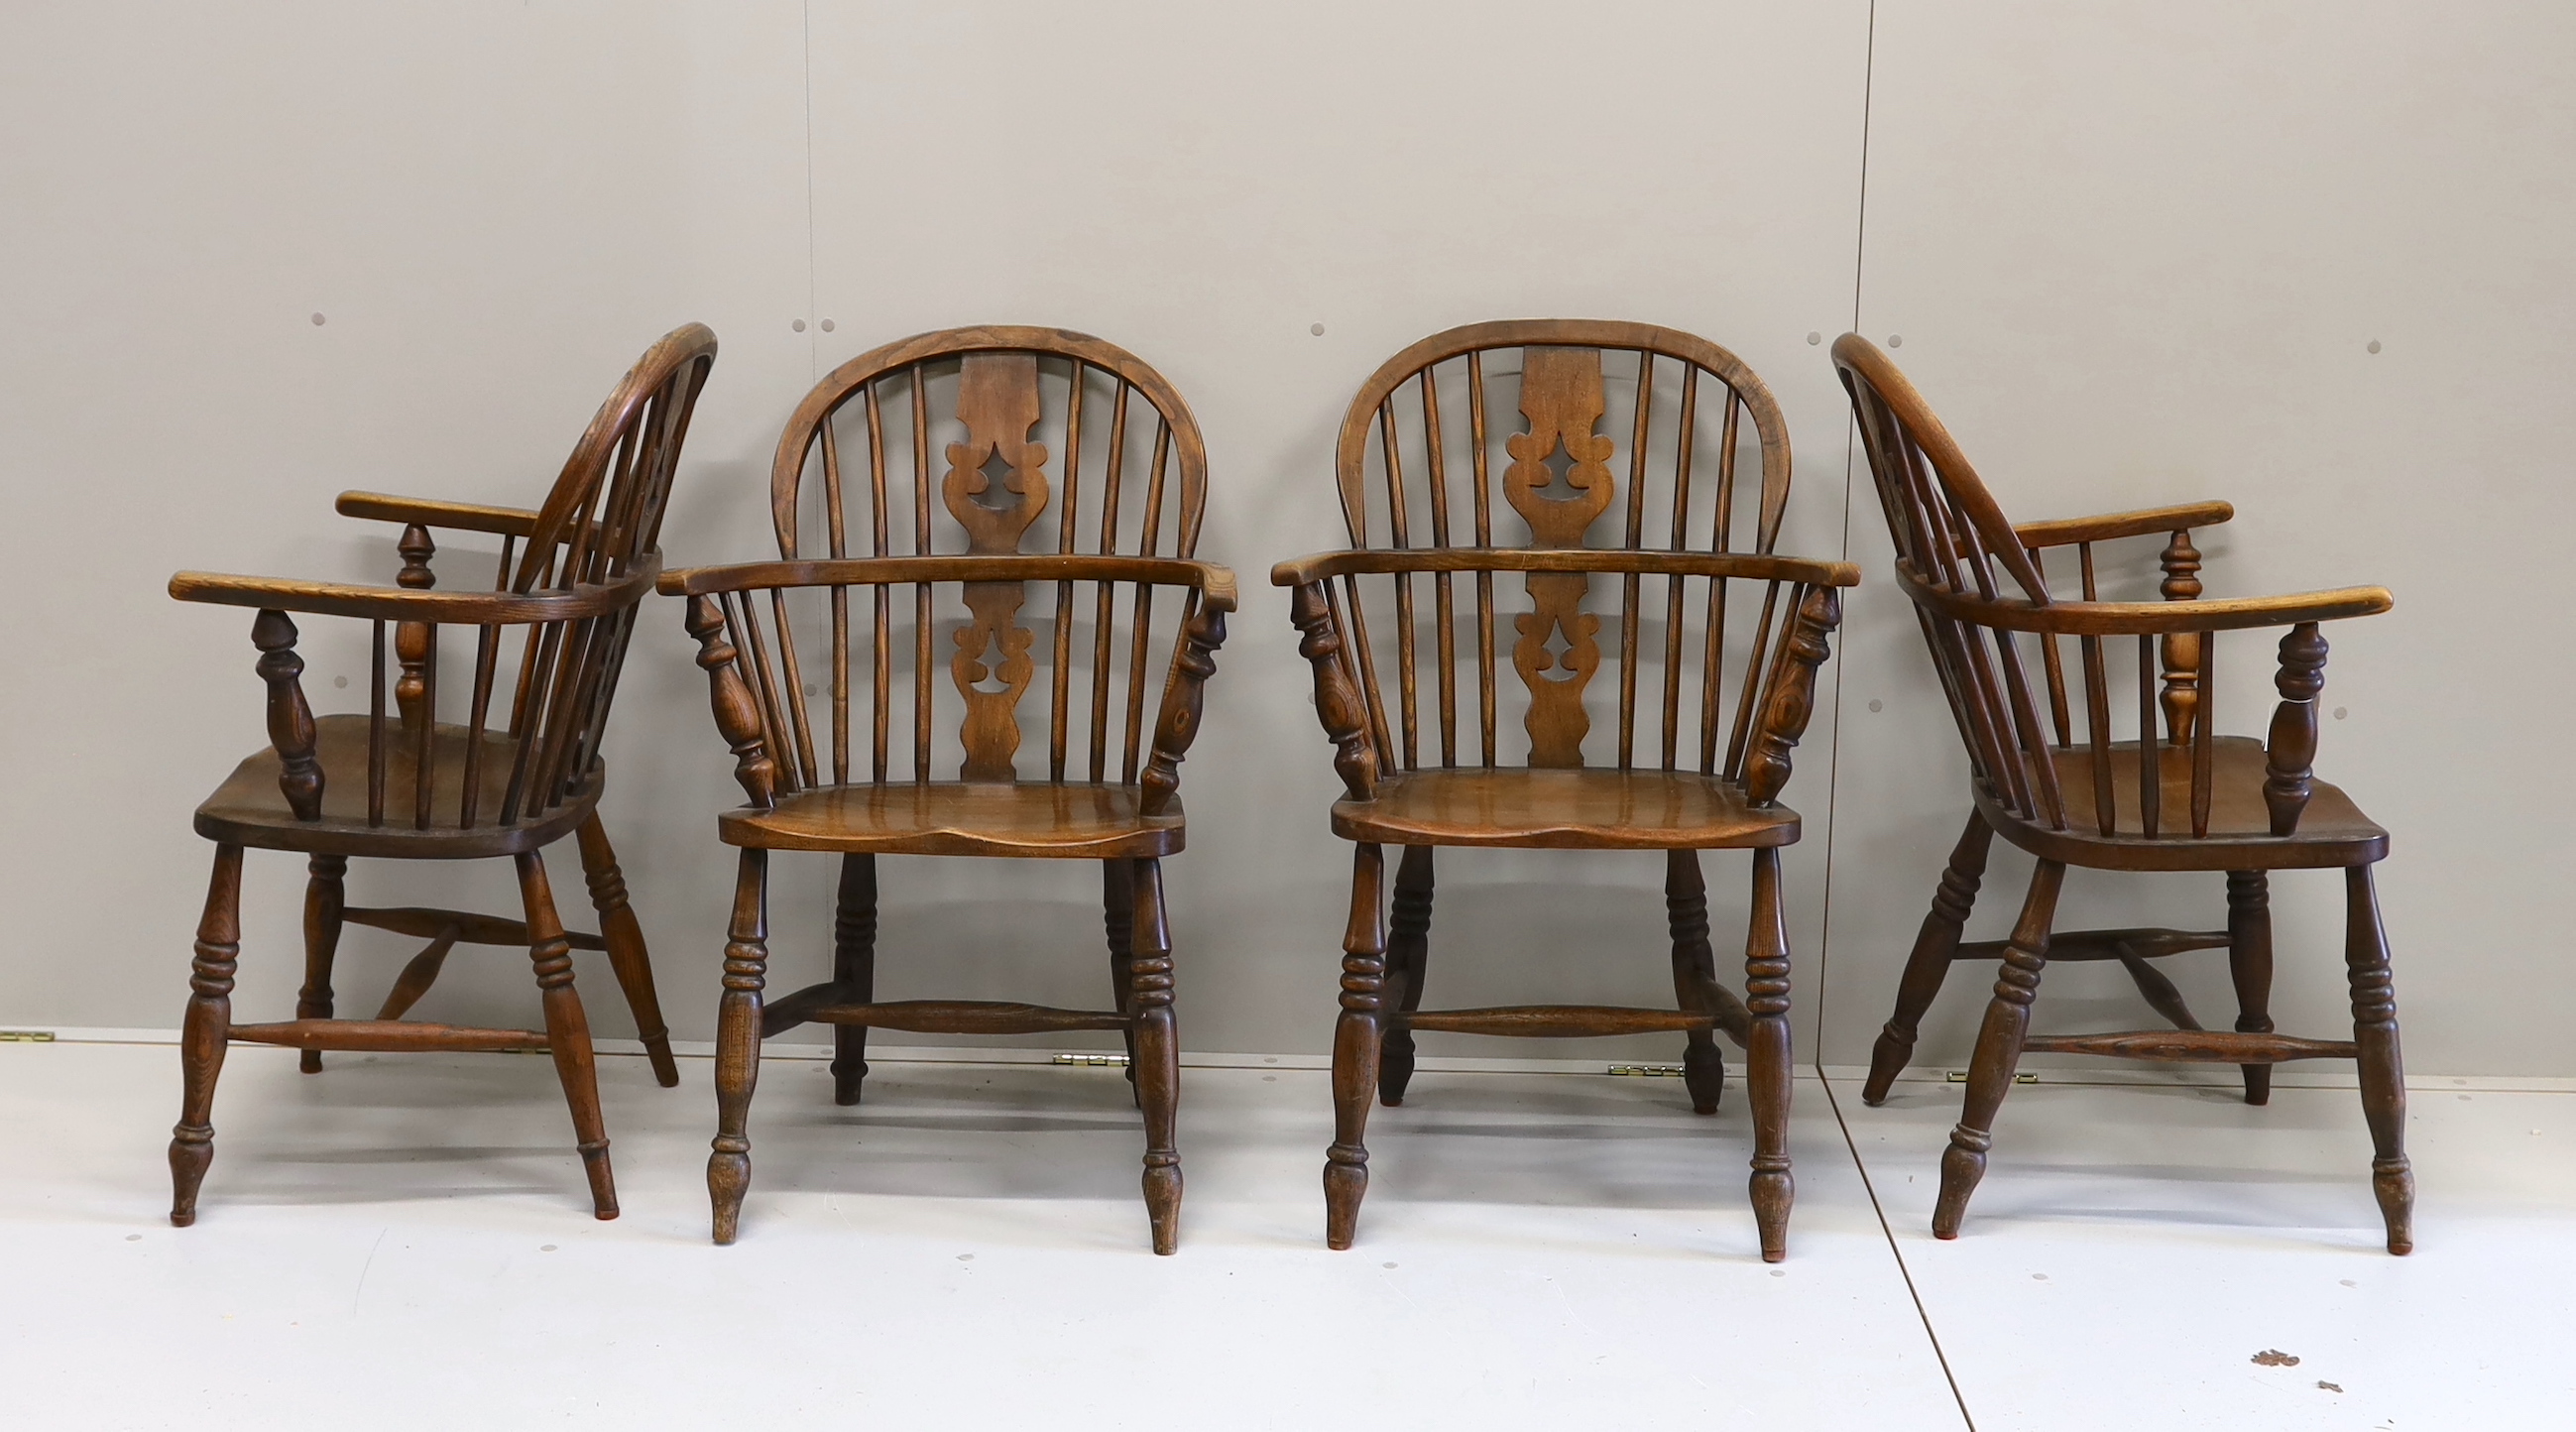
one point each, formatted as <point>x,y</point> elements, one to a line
<point>2061,787</point>
<point>412,787</point>
<point>1024,419</point>
<point>1710,774</point>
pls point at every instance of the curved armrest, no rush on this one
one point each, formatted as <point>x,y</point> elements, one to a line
<point>2067,531</point>
<point>2149,618</point>
<point>1214,583</point>
<point>428,512</point>
<point>404,604</point>
<point>1379,561</point>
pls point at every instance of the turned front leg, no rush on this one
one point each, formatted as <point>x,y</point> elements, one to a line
<point>203,1035</point>
<point>1766,1056</point>
<point>1157,1062</point>
<point>2249,964</point>
<point>1356,1046</point>
<point>2383,1072</point>
<point>567,1029</point>
<point>1990,1073</point>
<point>325,904</point>
<point>746,965</point>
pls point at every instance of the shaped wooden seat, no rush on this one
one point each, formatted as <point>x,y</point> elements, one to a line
<point>402,784</point>
<point>1067,821</point>
<point>1041,431</point>
<point>1564,810</point>
<point>2033,681</point>
<point>1702,602</point>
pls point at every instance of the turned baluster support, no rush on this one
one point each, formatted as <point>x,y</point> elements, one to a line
<point>1337,705</point>
<point>1178,725</point>
<point>737,718</point>
<point>1791,701</point>
<point>2181,562</point>
<point>412,639</point>
<point>290,720</point>
<point>2289,763</point>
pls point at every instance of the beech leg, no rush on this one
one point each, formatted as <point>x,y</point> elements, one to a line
<point>746,965</point>
<point>627,957</point>
<point>1934,947</point>
<point>567,1028</point>
<point>325,897</point>
<point>1766,1056</point>
<point>1356,1047</point>
<point>202,1034</point>
<point>854,970</point>
<point>2383,1072</point>
<point>1157,1063</point>
<point>2249,962</point>
<point>1990,1075</point>
<point>1118,923</point>
<point>1694,966</point>
<point>1408,951</point>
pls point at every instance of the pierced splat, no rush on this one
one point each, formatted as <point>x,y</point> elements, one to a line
<point>996,486</point>
<point>1560,453</point>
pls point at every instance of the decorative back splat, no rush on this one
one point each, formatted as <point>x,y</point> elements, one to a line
<point>1562,403</point>
<point>995,488</point>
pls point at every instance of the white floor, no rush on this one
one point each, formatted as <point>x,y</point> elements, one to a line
<point>403,1242</point>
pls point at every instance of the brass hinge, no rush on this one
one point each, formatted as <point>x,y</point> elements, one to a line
<point>26,1036</point>
<point>1960,1076</point>
<point>1647,1071</point>
<point>1092,1061</point>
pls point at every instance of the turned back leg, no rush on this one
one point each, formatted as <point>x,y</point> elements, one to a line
<point>1118,923</point>
<point>627,957</point>
<point>567,1028</point>
<point>1694,968</point>
<point>1934,947</point>
<point>2249,962</point>
<point>2383,1073</point>
<point>854,969</point>
<point>1408,957</point>
<point>202,1035</point>
<point>1990,1074</point>
<point>325,898</point>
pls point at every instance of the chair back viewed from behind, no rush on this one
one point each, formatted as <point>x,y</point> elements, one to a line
<point>1560,451</point>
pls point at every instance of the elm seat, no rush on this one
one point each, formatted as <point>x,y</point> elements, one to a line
<point>1068,821</point>
<point>2332,832</point>
<point>1564,810</point>
<point>249,809</point>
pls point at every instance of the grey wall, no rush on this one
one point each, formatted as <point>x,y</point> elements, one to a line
<point>2135,252</point>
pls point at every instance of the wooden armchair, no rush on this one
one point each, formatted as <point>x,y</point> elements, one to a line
<point>1711,770</point>
<point>406,785</point>
<point>1122,527</point>
<point>2060,786</point>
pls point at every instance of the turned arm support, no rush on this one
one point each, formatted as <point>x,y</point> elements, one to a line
<point>737,715</point>
<point>290,720</point>
<point>1178,724</point>
<point>1337,700</point>
<point>2069,531</point>
<point>1790,699</point>
<point>2290,758</point>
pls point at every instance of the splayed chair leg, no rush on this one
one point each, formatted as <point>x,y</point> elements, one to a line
<point>2383,1072</point>
<point>1157,1064</point>
<point>1408,958</point>
<point>1934,947</point>
<point>1990,1074</point>
<point>854,970</point>
<point>567,1028</point>
<point>627,957</point>
<point>1694,968</point>
<point>1766,1056</point>
<point>1118,923</point>
<point>202,1036</point>
<point>325,898</point>
<point>2249,963</point>
<point>746,965</point>
<point>1356,1047</point>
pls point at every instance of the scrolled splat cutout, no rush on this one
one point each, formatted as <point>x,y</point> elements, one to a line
<point>995,487</point>
<point>1561,401</point>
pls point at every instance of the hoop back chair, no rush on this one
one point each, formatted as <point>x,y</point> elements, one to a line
<point>2047,772</point>
<point>1717,644</point>
<point>1113,511</point>
<point>508,780</point>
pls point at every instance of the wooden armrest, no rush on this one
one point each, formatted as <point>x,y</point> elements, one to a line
<point>1215,583</point>
<point>1377,561</point>
<point>403,604</point>
<point>2067,531</point>
<point>428,512</point>
<point>2150,618</point>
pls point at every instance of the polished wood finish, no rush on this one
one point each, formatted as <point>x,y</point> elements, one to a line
<point>923,468</point>
<point>516,774</point>
<point>2050,773</point>
<point>1644,559</point>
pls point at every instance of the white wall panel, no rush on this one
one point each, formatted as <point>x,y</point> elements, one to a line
<point>2137,253</point>
<point>1202,185</point>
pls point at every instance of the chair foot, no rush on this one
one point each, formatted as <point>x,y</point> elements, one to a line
<point>728,1178</point>
<point>603,1183</point>
<point>1962,1165</point>
<point>2393,1182</point>
<point>310,1062</point>
<point>1887,1059</point>
<point>1704,1075</point>
<point>1163,1203</point>
<point>1345,1184</point>
<point>666,1070</point>
<point>1394,1066</point>
<point>2258,1084</point>
<point>191,1151</point>
<point>1773,1191</point>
